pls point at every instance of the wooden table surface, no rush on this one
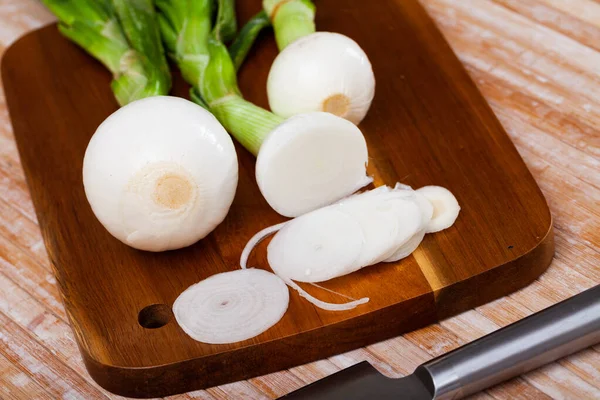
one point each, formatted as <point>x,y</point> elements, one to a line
<point>538,64</point>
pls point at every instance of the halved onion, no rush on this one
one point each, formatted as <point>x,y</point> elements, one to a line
<point>309,161</point>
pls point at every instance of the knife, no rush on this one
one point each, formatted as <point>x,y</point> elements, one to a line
<point>543,337</point>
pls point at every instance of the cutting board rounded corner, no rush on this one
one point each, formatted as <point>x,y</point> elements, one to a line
<point>497,281</point>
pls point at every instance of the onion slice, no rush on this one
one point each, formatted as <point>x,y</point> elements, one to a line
<point>407,248</point>
<point>445,207</point>
<point>317,246</point>
<point>388,218</point>
<point>232,306</point>
<point>260,236</point>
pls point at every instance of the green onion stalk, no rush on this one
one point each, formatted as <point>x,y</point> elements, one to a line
<point>291,19</point>
<point>124,36</point>
<point>303,163</point>
<point>198,49</point>
<point>245,39</point>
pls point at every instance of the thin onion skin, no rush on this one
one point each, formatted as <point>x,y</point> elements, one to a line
<point>232,306</point>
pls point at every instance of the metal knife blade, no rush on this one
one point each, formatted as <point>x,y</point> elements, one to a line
<point>363,382</point>
<point>543,337</point>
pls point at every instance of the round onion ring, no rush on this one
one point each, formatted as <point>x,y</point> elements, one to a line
<point>231,306</point>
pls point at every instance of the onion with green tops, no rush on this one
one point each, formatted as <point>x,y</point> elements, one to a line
<point>160,173</point>
<point>303,163</point>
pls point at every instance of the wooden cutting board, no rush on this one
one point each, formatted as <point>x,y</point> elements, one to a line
<point>428,125</point>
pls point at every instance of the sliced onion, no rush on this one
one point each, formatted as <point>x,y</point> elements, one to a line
<point>407,248</point>
<point>317,246</point>
<point>231,306</point>
<point>388,219</point>
<point>445,207</point>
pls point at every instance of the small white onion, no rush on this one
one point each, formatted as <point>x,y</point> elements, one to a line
<point>231,306</point>
<point>160,173</point>
<point>309,161</point>
<point>445,207</point>
<point>323,71</point>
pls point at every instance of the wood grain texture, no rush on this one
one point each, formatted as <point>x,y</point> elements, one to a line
<point>528,105</point>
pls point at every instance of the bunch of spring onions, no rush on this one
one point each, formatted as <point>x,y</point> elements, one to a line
<point>161,172</point>
<point>123,36</point>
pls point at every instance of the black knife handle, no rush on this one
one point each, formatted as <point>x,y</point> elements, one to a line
<point>555,332</point>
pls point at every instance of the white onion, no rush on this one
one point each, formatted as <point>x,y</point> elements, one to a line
<point>323,71</point>
<point>445,207</point>
<point>231,306</point>
<point>309,161</point>
<point>160,173</point>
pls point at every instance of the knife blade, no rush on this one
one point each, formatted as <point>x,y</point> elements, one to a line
<point>543,337</point>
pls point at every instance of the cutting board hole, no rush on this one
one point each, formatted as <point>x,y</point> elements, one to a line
<point>155,316</point>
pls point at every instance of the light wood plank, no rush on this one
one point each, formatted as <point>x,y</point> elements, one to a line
<point>17,385</point>
<point>585,10</point>
<point>17,345</point>
<point>554,18</point>
<point>19,17</point>
<point>541,62</point>
<point>45,327</point>
<point>40,283</point>
<point>23,234</point>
